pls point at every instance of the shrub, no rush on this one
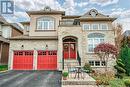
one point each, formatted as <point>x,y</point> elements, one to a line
<point>127,82</point>
<point>120,67</point>
<point>116,83</point>
<point>87,67</point>
<point>103,78</point>
<point>3,67</point>
<point>65,74</point>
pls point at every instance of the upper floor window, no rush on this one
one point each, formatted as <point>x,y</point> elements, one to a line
<point>95,26</point>
<point>93,40</point>
<point>86,26</point>
<point>45,23</point>
<point>27,27</point>
<point>103,26</point>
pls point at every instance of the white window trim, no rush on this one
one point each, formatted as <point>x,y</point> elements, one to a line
<point>93,25</point>
<point>103,24</point>
<point>48,24</point>
<point>95,64</point>
<point>87,25</point>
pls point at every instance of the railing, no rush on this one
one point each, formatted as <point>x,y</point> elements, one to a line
<point>69,22</point>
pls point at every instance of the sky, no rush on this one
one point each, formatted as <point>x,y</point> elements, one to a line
<point>114,8</point>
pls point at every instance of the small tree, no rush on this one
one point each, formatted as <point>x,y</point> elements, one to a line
<point>120,67</point>
<point>106,51</point>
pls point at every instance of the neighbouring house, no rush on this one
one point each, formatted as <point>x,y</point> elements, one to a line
<point>125,38</point>
<point>52,39</point>
<point>7,30</point>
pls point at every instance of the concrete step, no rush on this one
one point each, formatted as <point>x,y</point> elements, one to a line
<point>88,80</point>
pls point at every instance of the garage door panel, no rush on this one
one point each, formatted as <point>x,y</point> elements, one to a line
<point>23,60</point>
<point>47,60</point>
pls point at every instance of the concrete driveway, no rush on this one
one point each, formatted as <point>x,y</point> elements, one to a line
<point>30,79</point>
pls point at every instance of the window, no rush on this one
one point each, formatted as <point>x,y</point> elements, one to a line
<point>6,32</point>
<point>93,40</point>
<point>27,27</point>
<point>97,63</point>
<point>104,26</point>
<point>91,63</point>
<point>46,23</point>
<point>86,26</point>
<point>95,26</point>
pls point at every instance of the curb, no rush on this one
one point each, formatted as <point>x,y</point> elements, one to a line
<point>4,71</point>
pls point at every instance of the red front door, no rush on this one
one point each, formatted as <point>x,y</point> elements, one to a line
<point>69,49</point>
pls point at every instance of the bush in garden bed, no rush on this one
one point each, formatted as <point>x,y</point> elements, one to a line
<point>117,83</point>
<point>103,78</point>
<point>3,67</point>
<point>127,82</point>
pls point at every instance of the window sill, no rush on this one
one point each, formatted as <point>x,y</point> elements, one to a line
<point>45,30</point>
<point>98,66</point>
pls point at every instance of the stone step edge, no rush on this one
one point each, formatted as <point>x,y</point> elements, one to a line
<point>78,83</point>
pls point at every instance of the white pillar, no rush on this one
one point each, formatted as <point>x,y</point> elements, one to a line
<point>59,55</point>
<point>10,61</point>
<point>35,60</point>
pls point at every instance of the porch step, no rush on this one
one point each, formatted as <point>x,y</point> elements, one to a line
<point>88,80</point>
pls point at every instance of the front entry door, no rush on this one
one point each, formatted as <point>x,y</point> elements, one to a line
<point>69,50</point>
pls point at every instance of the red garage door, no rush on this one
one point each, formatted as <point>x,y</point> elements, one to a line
<point>47,60</point>
<point>23,60</point>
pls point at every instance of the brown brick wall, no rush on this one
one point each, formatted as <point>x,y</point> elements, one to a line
<point>16,32</point>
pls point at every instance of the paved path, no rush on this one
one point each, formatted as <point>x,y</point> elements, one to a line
<point>30,79</point>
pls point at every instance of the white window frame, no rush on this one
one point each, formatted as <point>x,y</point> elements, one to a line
<point>93,26</point>
<point>95,63</point>
<point>47,23</point>
<point>86,25</point>
<point>94,43</point>
<point>101,28</point>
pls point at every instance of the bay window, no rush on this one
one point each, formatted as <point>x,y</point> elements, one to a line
<point>45,23</point>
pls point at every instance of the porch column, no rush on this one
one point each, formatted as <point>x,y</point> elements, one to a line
<point>35,60</point>
<point>59,55</point>
<point>10,61</point>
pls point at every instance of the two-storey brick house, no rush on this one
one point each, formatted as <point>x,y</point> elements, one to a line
<point>52,39</point>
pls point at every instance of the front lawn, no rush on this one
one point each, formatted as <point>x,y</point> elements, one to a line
<point>3,67</point>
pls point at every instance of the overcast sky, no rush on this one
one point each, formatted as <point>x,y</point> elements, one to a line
<point>114,8</point>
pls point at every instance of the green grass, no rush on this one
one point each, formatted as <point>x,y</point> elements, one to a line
<point>3,67</point>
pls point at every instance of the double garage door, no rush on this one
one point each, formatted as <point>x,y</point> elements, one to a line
<point>24,60</point>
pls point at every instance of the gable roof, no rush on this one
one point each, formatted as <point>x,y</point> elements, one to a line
<point>46,10</point>
<point>15,25</point>
<point>2,20</point>
<point>126,33</point>
<point>98,16</point>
